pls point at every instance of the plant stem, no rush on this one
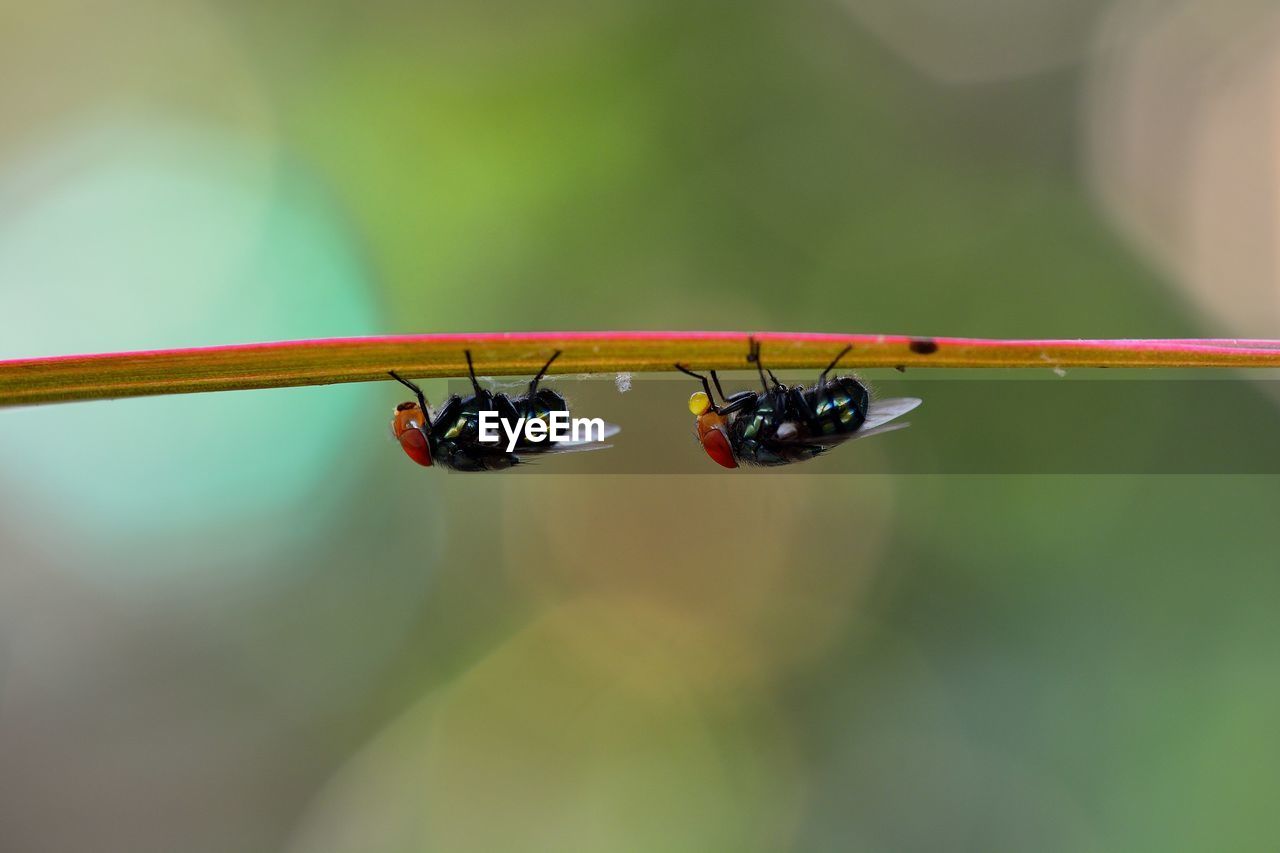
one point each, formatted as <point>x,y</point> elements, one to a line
<point>327,361</point>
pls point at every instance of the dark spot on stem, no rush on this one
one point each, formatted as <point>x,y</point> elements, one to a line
<point>901,368</point>
<point>923,346</point>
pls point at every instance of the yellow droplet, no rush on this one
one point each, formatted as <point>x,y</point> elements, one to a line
<point>699,402</point>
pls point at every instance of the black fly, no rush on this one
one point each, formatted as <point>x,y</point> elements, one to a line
<point>780,424</point>
<point>452,437</point>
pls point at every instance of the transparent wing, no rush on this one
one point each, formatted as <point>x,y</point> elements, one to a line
<point>580,447</point>
<point>880,412</point>
<point>829,441</point>
<point>881,430</point>
<point>879,415</point>
<point>610,430</point>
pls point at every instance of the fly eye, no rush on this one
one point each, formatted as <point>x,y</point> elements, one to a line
<point>415,444</point>
<point>699,402</point>
<point>716,443</point>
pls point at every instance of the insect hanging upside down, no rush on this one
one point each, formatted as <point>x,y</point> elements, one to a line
<point>780,424</point>
<point>454,436</point>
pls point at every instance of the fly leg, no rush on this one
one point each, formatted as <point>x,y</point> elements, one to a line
<point>448,413</point>
<point>706,386</point>
<point>797,402</point>
<point>716,379</point>
<point>483,395</point>
<point>820,390</point>
<point>738,402</point>
<point>422,401</point>
<point>471,371</point>
<point>753,357</point>
<point>822,377</point>
<point>533,386</point>
<point>507,413</point>
<point>417,392</point>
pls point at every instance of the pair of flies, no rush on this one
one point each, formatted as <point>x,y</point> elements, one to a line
<point>777,425</point>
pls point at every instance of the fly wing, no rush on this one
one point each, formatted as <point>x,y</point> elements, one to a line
<point>609,431</point>
<point>879,415</point>
<point>582,445</point>
<point>880,412</point>
<point>827,442</point>
<point>881,430</point>
<point>579,447</point>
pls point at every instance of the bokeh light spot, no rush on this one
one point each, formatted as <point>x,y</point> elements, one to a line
<point>157,237</point>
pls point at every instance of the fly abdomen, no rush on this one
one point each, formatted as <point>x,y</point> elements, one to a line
<point>839,405</point>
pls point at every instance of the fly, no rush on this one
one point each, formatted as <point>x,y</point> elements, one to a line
<point>454,436</point>
<point>780,424</point>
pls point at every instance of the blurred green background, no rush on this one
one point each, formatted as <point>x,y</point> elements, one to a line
<point>244,622</point>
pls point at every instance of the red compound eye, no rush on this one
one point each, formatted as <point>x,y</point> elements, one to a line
<point>416,445</point>
<point>716,443</point>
